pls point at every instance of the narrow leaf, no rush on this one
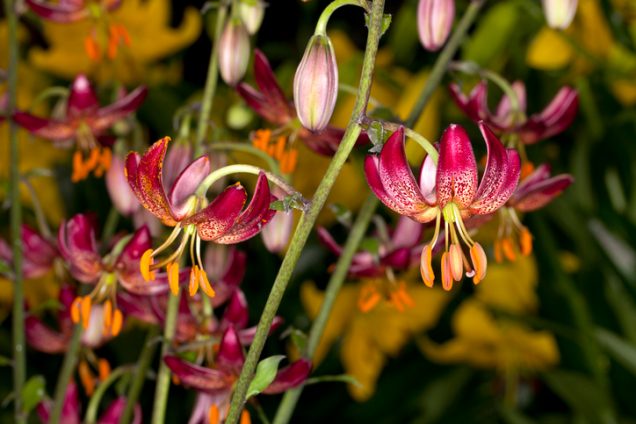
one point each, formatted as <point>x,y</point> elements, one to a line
<point>265,374</point>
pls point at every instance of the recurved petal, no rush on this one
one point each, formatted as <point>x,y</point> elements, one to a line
<point>121,108</point>
<point>538,195</point>
<point>77,244</point>
<point>246,335</point>
<point>220,215</point>
<point>230,355</point>
<point>324,236</point>
<point>495,200</point>
<point>266,81</point>
<point>42,338</point>
<point>496,171</point>
<point>475,105</point>
<point>254,217</point>
<point>236,313</point>
<point>82,100</point>
<point>185,185</point>
<point>260,104</point>
<point>45,128</point>
<point>428,178</point>
<point>197,377</point>
<point>397,259</point>
<point>504,107</point>
<point>116,409</point>
<point>456,168</point>
<point>407,233</point>
<point>70,407</point>
<point>63,12</point>
<point>39,253</point>
<point>554,119</point>
<point>289,377</point>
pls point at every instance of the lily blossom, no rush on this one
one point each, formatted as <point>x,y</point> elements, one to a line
<point>270,103</point>
<point>215,385</point>
<point>222,221</point>
<point>448,190</point>
<point>39,253</point>
<point>534,192</point>
<point>66,11</point>
<point>71,409</point>
<point>86,123</point>
<point>557,116</point>
<point>398,253</point>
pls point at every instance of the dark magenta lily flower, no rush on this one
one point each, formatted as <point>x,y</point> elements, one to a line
<point>448,191</point>
<point>553,120</point>
<point>398,253</point>
<point>215,385</point>
<point>222,221</point>
<point>71,409</point>
<point>86,123</point>
<point>270,103</point>
<point>534,192</point>
<point>39,253</point>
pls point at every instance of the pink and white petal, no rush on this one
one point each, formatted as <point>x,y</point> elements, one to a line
<point>428,178</point>
<point>177,159</point>
<point>542,172</point>
<point>219,216</point>
<point>475,105</point>
<point>488,205</point>
<point>541,193</point>
<point>45,128</point>
<point>289,377</point>
<point>64,12</point>
<point>407,233</point>
<point>107,116</point>
<point>82,100</point>
<point>554,119</point>
<point>496,170</point>
<point>230,355</point>
<point>197,377</point>
<point>42,338</point>
<point>186,184</point>
<point>456,168</point>
<point>503,115</point>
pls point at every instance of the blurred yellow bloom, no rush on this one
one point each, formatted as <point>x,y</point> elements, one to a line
<point>370,338</point>
<point>151,39</point>
<point>484,341</point>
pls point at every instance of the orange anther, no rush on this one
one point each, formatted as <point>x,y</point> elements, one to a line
<point>289,161</point>
<point>456,262</point>
<point>93,158</point>
<point>75,310</point>
<point>108,315</point>
<point>508,249</point>
<point>92,48</point>
<point>214,415</point>
<point>123,34</point>
<point>261,138</point>
<point>396,302</point>
<point>426,268</point>
<point>86,311</point>
<point>113,43</point>
<point>526,169</point>
<point>144,265</point>
<point>78,167</point>
<point>205,284</point>
<point>245,417</point>
<point>104,369</point>
<point>86,377</point>
<point>368,298</point>
<point>525,241</point>
<point>118,322</point>
<point>498,251</point>
<point>193,285</point>
<point>480,262</point>
<point>403,294</point>
<point>173,277</point>
<point>447,278</point>
<point>279,147</point>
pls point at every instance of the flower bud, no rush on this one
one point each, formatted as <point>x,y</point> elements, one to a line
<point>124,200</point>
<point>559,13</point>
<point>316,84</point>
<point>434,22</point>
<point>252,13</point>
<point>234,52</point>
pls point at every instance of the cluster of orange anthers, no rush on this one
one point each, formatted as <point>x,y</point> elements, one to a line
<point>114,36</point>
<point>214,415</point>
<point>98,162</point>
<point>513,237</point>
<point>395,293</point>
<point>88,378</point>
<point>113,319</point>
<point>286,156</point>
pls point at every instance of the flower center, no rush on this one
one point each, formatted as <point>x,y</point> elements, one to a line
<point>104,293</point>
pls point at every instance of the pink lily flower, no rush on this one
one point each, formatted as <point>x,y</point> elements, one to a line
<point>40,253</point>
<point>66,11</point>
<point>86,123</point>
<point>222,221</point>
<point>215,385</point>
<point>534,192</point>
<point>398,253</point>
<point>71,409</point>
<point>448,190</point>
<point>553,120</point>
<point>270,103</point>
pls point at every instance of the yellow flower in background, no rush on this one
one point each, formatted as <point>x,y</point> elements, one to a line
<point>370,338</point>
<point>484,341</point>
<point>151,39</point>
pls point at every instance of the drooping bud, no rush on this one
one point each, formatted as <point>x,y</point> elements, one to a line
<point>559,13</point>
<point>252,12</point>
<point>434,22</point>
<point>234,51</point>
<point>316,84</point>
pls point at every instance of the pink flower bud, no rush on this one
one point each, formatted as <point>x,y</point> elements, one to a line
<point>434,22</point>
<point>278,230</point>
<point>120,193</point>
<point>316,84</point>
<point>234,52</point>
<point>252,15</point>
<point>559,13</point>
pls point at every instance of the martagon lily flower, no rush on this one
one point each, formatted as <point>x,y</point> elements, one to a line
<point>534,192</point>
<point>448,191</point>
<point>222,221</point>
<point>215,385</point>
<point>86,123</point>
<point>554,119</point>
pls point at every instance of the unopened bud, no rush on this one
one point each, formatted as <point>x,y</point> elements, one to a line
<point>559,13</point>
<point>434,22</point>
<point>278,230</point>
<point>124,200</point>
<point>234,52</point>
<point>252,12</point>
<point>316,84</point>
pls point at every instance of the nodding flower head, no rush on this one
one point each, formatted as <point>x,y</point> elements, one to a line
<point>447,191</point>
<point>222,221</point>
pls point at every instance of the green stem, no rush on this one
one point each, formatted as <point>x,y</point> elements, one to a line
<point>63,379</point>
<point>286,408</point>
<point>242,147</point>
<point>143,363</point>
<point>210,82</point>
<point>321,25</point>
<point>444,58</point>
<point>93,404</point>
<point>163,377</point>
<point>110,225</point>
<point>19,356</point>
<point>308,219</point>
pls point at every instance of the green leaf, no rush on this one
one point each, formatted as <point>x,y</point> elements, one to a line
<point>265,374</point>
<point>582,394</point>
<point>376,133</point>
<point>33,392</point>
<point>371,245</point>
<point>298,338</point>
<point>623,352</point>
<point>386,23</point>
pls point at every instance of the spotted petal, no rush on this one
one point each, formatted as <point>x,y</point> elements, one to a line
<point>220,215</point>
<point>199,378</point>
<point>456,169</point>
